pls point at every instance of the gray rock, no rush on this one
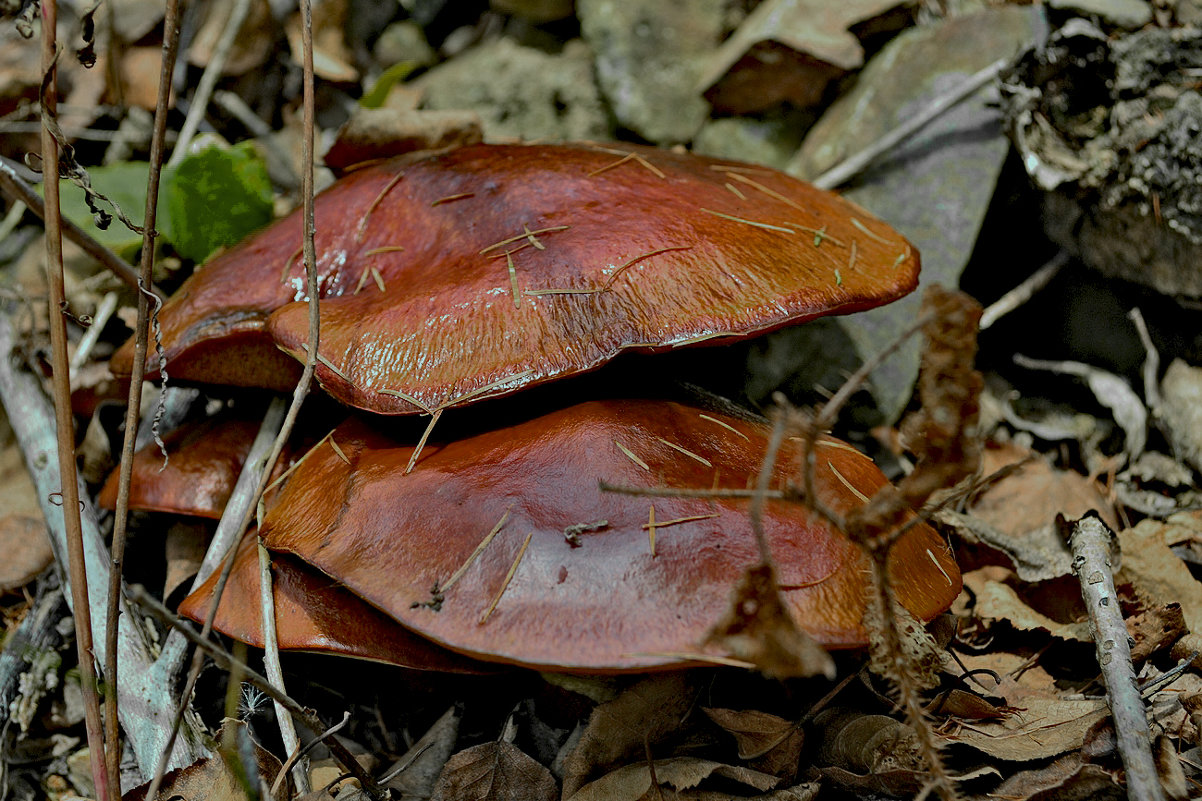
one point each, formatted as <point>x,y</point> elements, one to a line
<point>520,92</point>
<point>770,141</point>
<point>649,58</point>
<point>936,186</point>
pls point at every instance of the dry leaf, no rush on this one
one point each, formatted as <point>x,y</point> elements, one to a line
<point>25,545</point>
<point>864,744</point>
<point>1066,778</point>
<point>619,730</point>
<point>425,759</point>
<point>1041,727</point>
<point>185,550</point>
<point>633,782</point>
<point>787,50</point>
<point>1159,577</point>
<point>215,779</point>
<point>996,600</point>
<point>494,771</point>
<point>772,742</point>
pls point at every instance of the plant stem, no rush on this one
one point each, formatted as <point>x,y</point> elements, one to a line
<point>64,420</point>
<point>134,404</point>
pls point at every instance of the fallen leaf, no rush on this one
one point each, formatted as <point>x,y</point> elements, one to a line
<point>1048,727</point>
<point>621,729</point>
<point>215,778</point>
<point>26,548</point>
<point>774,743</point>
<point>426,759</point>
<point>494,771</point>
<point>1159,577</point>
<point>1066,779</point>
<point>787,51</point>
<point>633,782</point>
<point>996,600</point>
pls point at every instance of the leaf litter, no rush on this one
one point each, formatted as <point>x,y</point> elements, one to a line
<point>1023,700</point>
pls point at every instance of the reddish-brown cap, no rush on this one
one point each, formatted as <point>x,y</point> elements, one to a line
<point>469,273</point>
<point>203,464</point>
<point>650,575</point>
<point>314,613</point>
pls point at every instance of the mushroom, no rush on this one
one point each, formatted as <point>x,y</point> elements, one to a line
<point>450,277</point>
<point>203,460</point>
<point>503,546</point>
<point>314,613</point>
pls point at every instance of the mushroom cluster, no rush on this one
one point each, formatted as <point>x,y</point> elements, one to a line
<point>450,278</point>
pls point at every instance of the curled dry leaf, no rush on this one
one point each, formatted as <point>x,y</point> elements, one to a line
<point>637,249</point>
<point>634,782</point>
<point>495,771</point>
<point>770,743</point>
<point>619,731</point>
<point>469,550</point>
<point>215,779</point>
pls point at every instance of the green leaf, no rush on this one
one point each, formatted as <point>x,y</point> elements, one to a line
<point>375,97</point>
<point>123,183</point>
<point>214,198</point>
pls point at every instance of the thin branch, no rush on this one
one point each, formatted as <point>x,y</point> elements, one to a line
<point>275,672</point>
<point>64,420</point>
<point>854,164</point>
<point>1025,291</point>
<point>1094,549</point>
<point>134,404</point>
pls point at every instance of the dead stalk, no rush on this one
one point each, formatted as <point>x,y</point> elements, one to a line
<point>62,407</point>
<point>134,404</point>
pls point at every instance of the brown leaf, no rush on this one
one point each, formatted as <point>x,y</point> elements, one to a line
<point>222,777</point>
<point>962,704</point>
<point>633,782</point>
<point>25,545</point>
<point>494,771</point>
<point>772,744</point>
<point>755,732</point>
<point>1159,577</point>
<point>787,50</point>
<point>1042,727</point>
<point>619,730</point>
<point>1066,779</point>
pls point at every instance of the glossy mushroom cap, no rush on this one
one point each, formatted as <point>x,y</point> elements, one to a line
<point>204,461</point>
<point>650,575</point>
<point>470,273</point>
<point>314,613</point>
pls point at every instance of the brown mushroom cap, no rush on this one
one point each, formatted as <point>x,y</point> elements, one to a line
<point>610,604</point>
<point>204,461</point>
<point>314,613</point>
<point>422,310</point>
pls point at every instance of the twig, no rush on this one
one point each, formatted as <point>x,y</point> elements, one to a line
<point>134,403</point>
<point>1151,367</point>
<point>204,89</point>
<point>1094,549</point>
<point>271,663</point>
<point>854,164</point>
<point>64,420</point>
<point>146,693</point>
<point>309,718</point>
<point>1025,291</point>
<point>296,756</point>
<point>16,188</point>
